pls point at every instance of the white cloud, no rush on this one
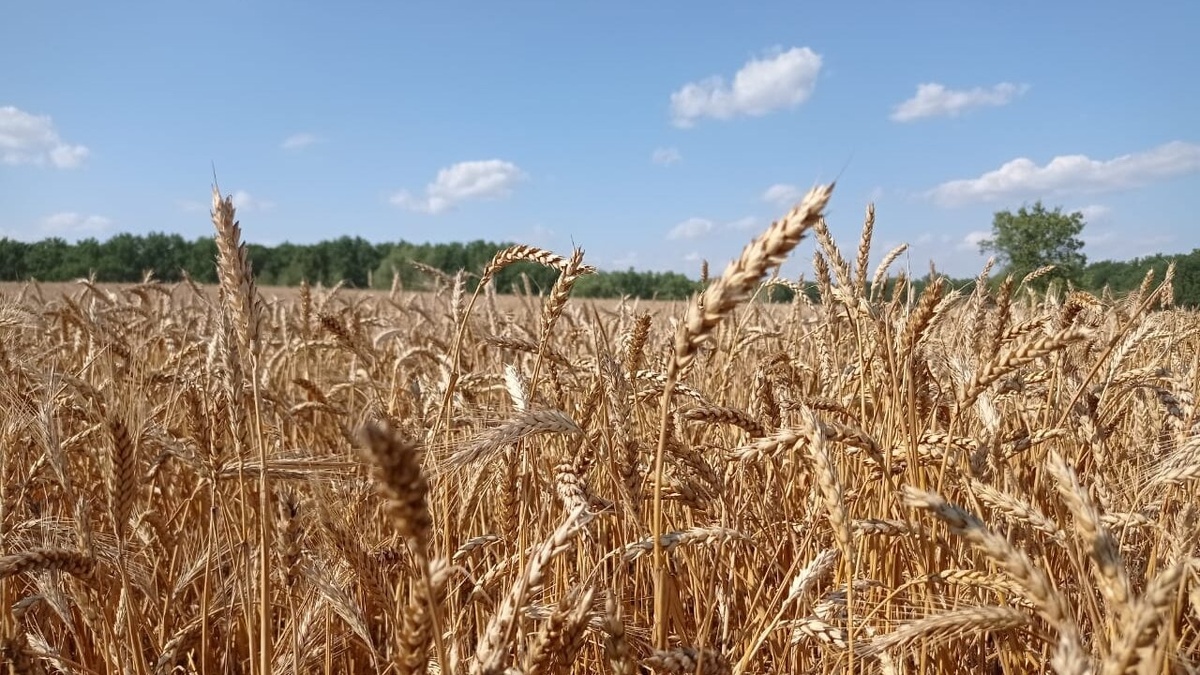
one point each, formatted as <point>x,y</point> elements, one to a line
<point>1110,237</point>
<point>695,228</point>
<point>779,80</point>
<point>542,232</point>
<point>625,261</point>
<point>665,156</point>
<point>1071,174</point>
<point>244,201</point>
<point>298,141</point>
<point>1091,238</point>
<point>537,235</point>
<point>1094,212</point>
<point>744,223</point>
<point>68,223</point>
<point>782,194</point>
<point>935,100</point>
<point>32,139</point>
<point>1121,244</point>
<point>971,241</point>
<point>691,229</point>
<point>484,179</point>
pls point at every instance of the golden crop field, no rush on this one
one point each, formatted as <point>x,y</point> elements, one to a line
<point>962,481</point>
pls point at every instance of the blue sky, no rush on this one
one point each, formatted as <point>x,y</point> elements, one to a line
<point>652,134</point>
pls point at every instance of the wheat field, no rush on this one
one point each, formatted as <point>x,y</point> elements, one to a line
<point>976,480</point>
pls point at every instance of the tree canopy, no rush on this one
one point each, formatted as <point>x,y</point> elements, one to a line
<point>1035,237</point>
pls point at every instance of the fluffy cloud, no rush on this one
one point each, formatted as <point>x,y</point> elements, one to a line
<point>32,139</point>
<point>743,223</point>
<point>695,228</point>
<point>1094,212</point>
<point>1069,174</point>
<point>691,229</point>
<point>935,100</point>
<point>484,179</point>
<point>1109,235</point>
<point>665,156</point>
<point>536,235</point>
<point>625,261</point>
<point>1123,244</point>
<point>1093,239</point>
<point>298,141</point>
<point>782,194</point>
<point>244,201</point>
<point>779,80</point>
<point>971,241</point>
<point>68,223</point>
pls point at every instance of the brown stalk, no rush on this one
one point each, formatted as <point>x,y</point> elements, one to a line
<point>734,286</point>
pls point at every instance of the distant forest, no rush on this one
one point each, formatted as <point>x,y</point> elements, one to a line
<point>361,264</point>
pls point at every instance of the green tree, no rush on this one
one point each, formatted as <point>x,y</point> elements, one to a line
<point>201,260</point>
<point>14,260</point>
<point>45,259</point>
<point>1035,237</point>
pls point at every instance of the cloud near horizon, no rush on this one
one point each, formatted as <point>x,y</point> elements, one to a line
<point>1071,174</point>
<point>298,141</point>
<point>696,227</point>
<point>779,80</point>
<point>782,194</point>
<point>32,139</point>
<point>1094,212</point>
<point>244,201</point>
<point>665,156</point>
<point>67,223</point>
<point>935,100</point>
<point>691,229</point>
<point>971,241</point>
<point>481,179</point>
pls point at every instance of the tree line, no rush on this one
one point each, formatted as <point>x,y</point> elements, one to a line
<point>352,260</point>
<point>362,264</point>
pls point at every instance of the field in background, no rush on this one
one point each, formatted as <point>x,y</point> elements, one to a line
<point>506,302</point>
<point>986,482</point>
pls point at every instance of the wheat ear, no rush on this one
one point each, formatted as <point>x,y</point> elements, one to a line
<point>736,284</point>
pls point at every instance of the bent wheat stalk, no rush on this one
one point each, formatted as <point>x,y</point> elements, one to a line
<point>740,279</point>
